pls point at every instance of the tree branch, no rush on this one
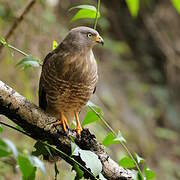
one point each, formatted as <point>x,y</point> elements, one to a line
<point>18,21</point>
<point>37,124</point>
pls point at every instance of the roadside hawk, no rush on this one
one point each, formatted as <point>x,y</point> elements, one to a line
<point>69,76</point>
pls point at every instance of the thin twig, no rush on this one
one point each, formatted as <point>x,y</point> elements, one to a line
<point>18,21</point>
<point>12,127</point>
<point>97,12</point>
<point>7,45</point>
<point>131,156</point>
<point>115,134</point>
<point>103,120</point>
<point>18,50</point>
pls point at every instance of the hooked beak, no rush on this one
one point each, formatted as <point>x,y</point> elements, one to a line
<point>99,39</point>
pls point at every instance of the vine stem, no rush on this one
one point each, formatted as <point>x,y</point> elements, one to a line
<point>115,134</point>
<point>6,44</point>
<point>18,50</point>
<point>103,120</point>
<point>12,127</point>
<point>54,148</point>
<point>131,156</point>
<point>97,12</point>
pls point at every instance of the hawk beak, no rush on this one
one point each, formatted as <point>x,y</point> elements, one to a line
<point>99,39</point>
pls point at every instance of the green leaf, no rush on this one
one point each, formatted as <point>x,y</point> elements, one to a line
<point>133,6</point>
<point>3,41</point>
<point>176,4</point>
<point>139,177</point>
<point>4,149</point>
<point>79,172</point>
<point>11,146</point>
<point>109,139</point>
<point>1,129</point>
<point>85,13</point>
<point>45,151</point>
<point>112,139</point>
<point>7,148</point>
<point>127,162</point>
<point>149,174</point>
<point>120,138</point>
<point>20,128</point>
<point>138,158</point>
<point>90,118</point>
<point>96,107</point>
<point>26,167</point>
<point>89,7</point>
<point>36,162</point>
<point>74,149</point>
<point>54,45</point>
<point>28,61</point>
<point>91,160</point>
<point>101,177</point>
<point>40,149</point>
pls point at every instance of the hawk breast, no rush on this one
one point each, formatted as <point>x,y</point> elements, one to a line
<point>69,81</point>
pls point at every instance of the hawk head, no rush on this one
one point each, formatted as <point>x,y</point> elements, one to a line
<point>84,37</point>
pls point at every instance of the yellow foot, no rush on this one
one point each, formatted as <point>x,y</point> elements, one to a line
<point>78,130</point>
<point>63,121</point>
<point>78,124</point>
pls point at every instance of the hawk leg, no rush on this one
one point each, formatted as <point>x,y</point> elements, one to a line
<point>78,124</point>
<point>62,121</point>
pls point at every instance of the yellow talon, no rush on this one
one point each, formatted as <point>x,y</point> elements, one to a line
<point>78,124</point>
<point>62,121</point>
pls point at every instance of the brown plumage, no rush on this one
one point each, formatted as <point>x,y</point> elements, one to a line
<point>69,76</point>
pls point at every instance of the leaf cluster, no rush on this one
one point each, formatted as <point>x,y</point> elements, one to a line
<point>27,163</point>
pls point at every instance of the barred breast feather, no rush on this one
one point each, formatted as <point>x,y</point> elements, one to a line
<point>67,81</point>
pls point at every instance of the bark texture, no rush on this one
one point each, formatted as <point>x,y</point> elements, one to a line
<point>37,124</point>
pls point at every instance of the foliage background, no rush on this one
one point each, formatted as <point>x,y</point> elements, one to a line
<point>138,87</point>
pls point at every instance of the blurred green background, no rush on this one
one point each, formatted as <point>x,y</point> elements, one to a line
<point>139,70</point>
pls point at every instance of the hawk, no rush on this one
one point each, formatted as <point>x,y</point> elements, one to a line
<point>69,76</point>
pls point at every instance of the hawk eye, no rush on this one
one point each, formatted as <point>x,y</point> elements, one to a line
<point>89,35</point>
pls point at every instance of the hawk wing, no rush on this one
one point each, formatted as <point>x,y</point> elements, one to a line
<point>42,91</point>
<point>42,97</point>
